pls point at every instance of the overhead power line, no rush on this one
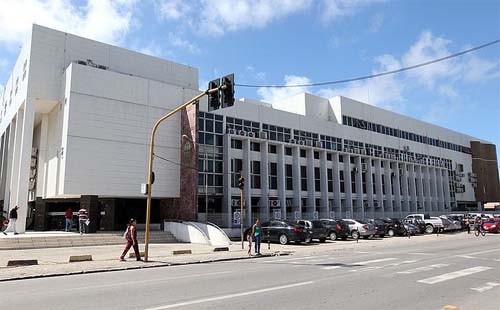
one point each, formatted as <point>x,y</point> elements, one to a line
<point>378,74</point>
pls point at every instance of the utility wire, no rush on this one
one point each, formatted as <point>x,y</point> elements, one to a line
<point>375,75</point>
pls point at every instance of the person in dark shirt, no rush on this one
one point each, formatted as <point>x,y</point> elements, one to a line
<point>131,237</point>
<point>13,219</point>
<point>69,219</point>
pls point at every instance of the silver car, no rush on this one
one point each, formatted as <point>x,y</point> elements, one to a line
<point>360,228</point>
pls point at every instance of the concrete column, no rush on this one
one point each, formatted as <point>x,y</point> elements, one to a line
<point>311,189</point>
<point>404,183</point>
<point>264,182</point>
<point>16,154</point>
<point>440,189</point>
<point>360,212</point>
<point>447,200</point>
<point>41,184</point>
<point>325,208</point>
<point>227,200</point>
<point>397,189</point>
<point>412,189</point>
<point>248,182</point>
<point>8,174</point>
<point>24,167</point>
<point>347,186</point>
<point>5,160</point>
<point>91,204</point>
<point>388,207</point>
<point>296,180</point>
<point>379,211</point>
<point>369,212</point>
<point>337,207</point>
<point>427,189</point>
<point>281,179</point>
<point>434,195</point>
<point>420,189</point>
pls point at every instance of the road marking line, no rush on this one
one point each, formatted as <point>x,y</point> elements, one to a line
<point>486,287</point>
<point>426,268</point>
<point>454,275</point>
<point>487,251</point>
<point>383,266</point>
<point>286,259</point>
<point>466,256</point>
<point>421,253</point>
<point>204,300</point>
<point>361,263</point>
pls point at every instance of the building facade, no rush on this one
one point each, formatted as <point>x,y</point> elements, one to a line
<point>75,121</point>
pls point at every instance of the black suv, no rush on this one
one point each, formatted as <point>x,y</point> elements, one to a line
<point>284,232</point>
<point>336,229</point>
<point>316,227</point>
<point>381,226</point>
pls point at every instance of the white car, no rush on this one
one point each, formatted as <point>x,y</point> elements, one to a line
<point>360,228</point>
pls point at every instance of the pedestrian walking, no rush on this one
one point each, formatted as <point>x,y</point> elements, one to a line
<point>68,215</point>
<point>13,220</point>
<point>257,236</point>
<point>467,223</point>
<point>131,236</point>
<point>249,239</point>
<point>83,220</point>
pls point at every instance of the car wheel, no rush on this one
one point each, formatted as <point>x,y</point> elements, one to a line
<point>322,240</point>
<point>308,239</point>
<point>429,229</point>
<point>390,232</point>
<point>333,236</point>
<point>283,239</point>
<point>355,234</point>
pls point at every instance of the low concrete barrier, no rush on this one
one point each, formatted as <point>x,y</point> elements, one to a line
<point>221,249</point>
<point>132,254</point>
<point>22,262</point>
<point>177,252</point>
<point>80,258</point>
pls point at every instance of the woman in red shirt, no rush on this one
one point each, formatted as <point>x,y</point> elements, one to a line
<point>131,236</point>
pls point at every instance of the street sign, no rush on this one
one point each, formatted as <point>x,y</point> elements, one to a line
<point>315,215</point>
<point>296,215</point>
<point>144,188</point>
<point>277,214</point>
<point>236,218</point>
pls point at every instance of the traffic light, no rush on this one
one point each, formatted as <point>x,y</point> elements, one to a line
<point>227,94</point>
<point>241,183</point>
<point>214,98</point>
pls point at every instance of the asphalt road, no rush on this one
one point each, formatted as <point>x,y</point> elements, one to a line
<point>461,271</point>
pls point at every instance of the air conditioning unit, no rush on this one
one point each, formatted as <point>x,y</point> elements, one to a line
<point>231,131</point>
<point>262,134</point>
<point>251,134</point>
<point>364,167</point>
<point>274,203</point>
<point>235,202</point>
<point>242,133</point>
<point>406,148</point>
<point>302,142</point>
<point>309,143</point>
<point>318,144</point>
<point>375,204</point>
<point>293,141</point>
<point>365,204</point>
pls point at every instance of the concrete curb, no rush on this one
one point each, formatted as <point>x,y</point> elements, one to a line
<point>145,266</point>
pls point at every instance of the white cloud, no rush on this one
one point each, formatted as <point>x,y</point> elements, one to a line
<point>376,22</point>
<point>104,20</point>
<point>173,9</point>
<point>334,9</point>
<point>256,75</point>
<point>1,90</point>
<point>277,94</point>
<point>151,49</point>
<point>477,69</point>
<point>447,91</point>
<point>177,41</point>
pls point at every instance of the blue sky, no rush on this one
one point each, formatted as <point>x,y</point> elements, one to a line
<point>302,41</point>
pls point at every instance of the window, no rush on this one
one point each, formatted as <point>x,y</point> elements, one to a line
<point>289,177</point>
<point>288,151</point>
<point>316,155</point>
<point>302,153</point>
<point>255,174</point>
<point>255,146</point>
<point>272,149</point>
<point>236,168</point>
<point>353,182</point>
<point>303,178</point>
<point>236,144</point>
<point>341,177</point>
<point>329,157</point>
<point>330,179</point>
<point>317,180</point>
<point>273,176</point>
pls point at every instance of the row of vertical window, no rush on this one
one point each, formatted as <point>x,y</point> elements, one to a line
<point>365,125</point>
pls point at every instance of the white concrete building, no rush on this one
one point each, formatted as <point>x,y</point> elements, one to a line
<point>75,121</point>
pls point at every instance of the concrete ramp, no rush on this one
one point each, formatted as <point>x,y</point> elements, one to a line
<point>200,233</point>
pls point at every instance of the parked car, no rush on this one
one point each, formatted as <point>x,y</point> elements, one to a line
<point>360,228</point>
<point>458,217</point>
<point>395,227</point>
<point>410,229</point>
<point>454,224</point>
<point>431,223</point>
<point>419,224</point>
<point>492,225</point>
<point>284,232</point>
<point>319,231</point>
<point>336,229</point>
<point>380,226</point>
<point>447,224</point>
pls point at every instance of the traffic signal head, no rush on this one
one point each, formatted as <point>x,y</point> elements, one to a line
<point>214,98</point>
<point>227,94</point>
<point>241,183</point>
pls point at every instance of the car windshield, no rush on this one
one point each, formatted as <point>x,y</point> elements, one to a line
<point>361,222</point>
<point>492,221</point>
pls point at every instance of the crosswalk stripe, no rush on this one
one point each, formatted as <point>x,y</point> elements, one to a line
<point>454,275</point>
<point>425,268</point>
<point>486,287</point>
<point>362,263</point>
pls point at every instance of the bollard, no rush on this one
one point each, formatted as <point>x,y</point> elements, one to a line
<point>268,241</point>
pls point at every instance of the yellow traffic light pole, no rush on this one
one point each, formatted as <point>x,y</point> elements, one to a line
<point>151,155</point>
